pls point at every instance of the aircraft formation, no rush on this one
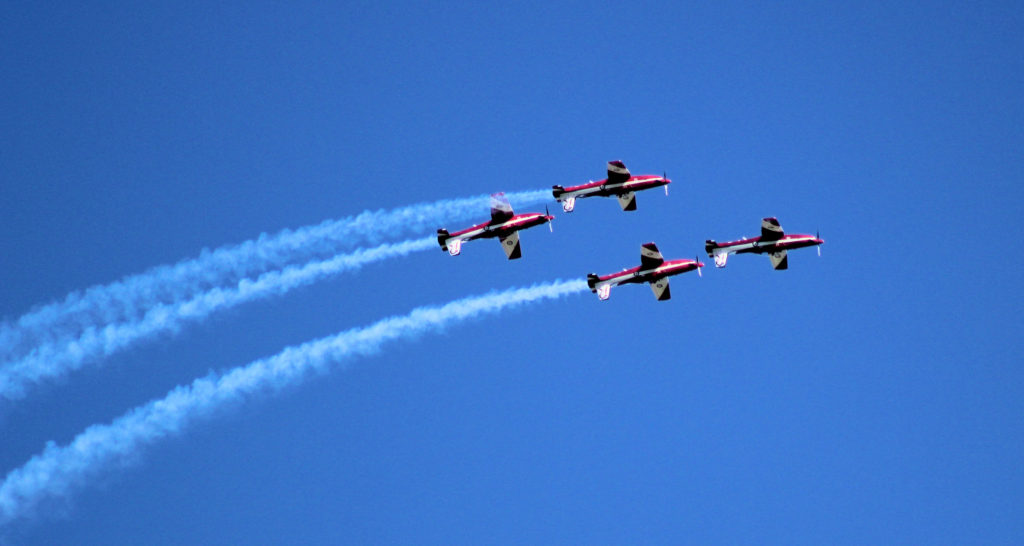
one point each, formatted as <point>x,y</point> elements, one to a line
<point>653,269</point>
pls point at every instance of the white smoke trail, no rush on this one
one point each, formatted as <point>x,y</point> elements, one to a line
<point>130,297</point>
<point>58,469</point>
<point>57,359</point>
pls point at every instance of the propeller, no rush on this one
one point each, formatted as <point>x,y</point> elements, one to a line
<point>548,214</point>
<point>817,235</point>
<point>697,259</point>
<point>664,176</point>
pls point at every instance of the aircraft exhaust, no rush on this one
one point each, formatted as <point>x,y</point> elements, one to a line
<point>59,469</point>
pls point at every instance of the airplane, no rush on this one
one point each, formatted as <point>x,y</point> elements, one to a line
<point>503,224</point>
<point>619,183</point>
<point>772,242</point>
<point>652,269</point>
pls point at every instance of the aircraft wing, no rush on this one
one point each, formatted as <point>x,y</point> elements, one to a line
<point>779,260</point>
<point>501,209</point>
<point>650,256</point>
<point>617,172</point>
<point>660,288</point>
<point>510,243</point>
<point>627,200</point>
<point>770,230</point>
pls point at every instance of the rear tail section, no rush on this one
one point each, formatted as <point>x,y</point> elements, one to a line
<point>710,245</point>
<point>592,281</point>
<point>568,203</point>
<point>442,239</point>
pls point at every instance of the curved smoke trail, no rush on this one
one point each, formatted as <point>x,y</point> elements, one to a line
<point>51,360</point>
<point>59,469</point>
<point>131,297</point>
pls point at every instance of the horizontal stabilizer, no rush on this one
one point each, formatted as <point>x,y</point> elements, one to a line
<point>455,247</point>
<point>442,238</point>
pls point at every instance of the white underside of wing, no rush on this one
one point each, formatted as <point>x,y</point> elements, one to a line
<point>626,200</point>
<point>777,258</point>
<point>510,243</point>
<point>660,287</point>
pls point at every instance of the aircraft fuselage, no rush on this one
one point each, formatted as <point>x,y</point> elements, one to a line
<point>757,246</point>
<point>640,275</point>
<point>604,188</point>
<point>488,230</point>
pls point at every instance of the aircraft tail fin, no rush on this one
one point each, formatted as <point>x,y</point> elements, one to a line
<point>710,245</point>
<point>557,191</point>
<point>592,281</point>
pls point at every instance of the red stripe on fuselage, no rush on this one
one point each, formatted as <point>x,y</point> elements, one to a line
<point>634,183</point>
<point>516,223</point>
<point>666,269</point>
<point>785,243</point>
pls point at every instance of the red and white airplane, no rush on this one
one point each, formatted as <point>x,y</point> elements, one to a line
<point>772,242</point>
<point>619,183</point>
<point>652,269</point>
<point>504,225</point>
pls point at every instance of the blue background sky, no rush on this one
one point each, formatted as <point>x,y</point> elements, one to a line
<point>872,395</point>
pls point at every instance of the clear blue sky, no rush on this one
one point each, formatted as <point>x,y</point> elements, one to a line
<point>874,395</point>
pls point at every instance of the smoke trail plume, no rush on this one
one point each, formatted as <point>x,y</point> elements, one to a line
<point>56,359</point>
<point>59,469</point>
<point>131,297</point>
